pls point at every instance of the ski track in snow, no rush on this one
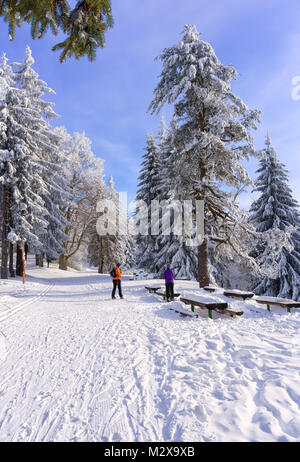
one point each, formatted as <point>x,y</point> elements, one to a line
<point>77,366</point>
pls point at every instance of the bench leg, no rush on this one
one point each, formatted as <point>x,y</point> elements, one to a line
<point>288,310</point>
<point>193,308</point>
<point>268,308</point>
<point>210,314</point>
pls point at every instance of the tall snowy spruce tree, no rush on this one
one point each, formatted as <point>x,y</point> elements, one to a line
<point>148,190</point>
<point>212,138</point>
<point>23,209</point>
<point>172,248</point>
<point>276,209</point>
<point>51,184</point>
<point>29,168</point>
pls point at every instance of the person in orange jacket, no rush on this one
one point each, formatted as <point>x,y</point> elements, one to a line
<point>117,281</point>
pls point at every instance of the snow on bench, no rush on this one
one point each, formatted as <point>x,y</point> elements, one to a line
<point>209,303</point>
<point>234,293</point>
<point>282,302</point>
<point>210,288</point>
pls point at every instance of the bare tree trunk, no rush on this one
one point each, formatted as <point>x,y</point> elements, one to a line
<point>203,264</point>
<point>5,244</point>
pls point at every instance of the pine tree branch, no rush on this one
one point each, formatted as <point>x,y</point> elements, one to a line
<point>85,25</point>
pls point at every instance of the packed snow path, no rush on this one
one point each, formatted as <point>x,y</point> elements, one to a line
<point>77,366</point>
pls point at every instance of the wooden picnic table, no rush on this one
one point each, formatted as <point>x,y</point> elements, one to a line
<point>219,307</point>
<point>164,295</point>
<point>282,302</point>
<point>238,294</point>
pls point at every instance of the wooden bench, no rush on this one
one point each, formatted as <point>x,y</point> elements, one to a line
<point>184,312</point>
<point>238,294</point>
<point>219,307</point>
<point>283,303</point>
<point>210,288</point>
<point>164,295</point>
<point>152,289</point>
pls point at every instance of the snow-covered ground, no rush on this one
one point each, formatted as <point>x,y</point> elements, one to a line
<point>77,366</point>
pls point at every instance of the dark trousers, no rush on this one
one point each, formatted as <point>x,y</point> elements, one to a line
<point>169,290</point>
<point>116,283</point>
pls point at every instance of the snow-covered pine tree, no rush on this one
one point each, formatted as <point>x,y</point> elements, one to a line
<point>172,249</point>
<point>148,190</point>
<point>212,139</point>
<point>118,244</point>
<point>276,209</point>
<point>106,250</point>
<point>130,252</point>
<point>50,185</point>
<point>7,83</point>
<point>161,189</point>
<point>99,247</point>
<point>20,171</point>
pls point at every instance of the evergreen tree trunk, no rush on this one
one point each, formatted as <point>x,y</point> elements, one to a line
<point>19,263</point>
<point>100,257</point>
<point>63,262</point>
<point>5,244</point>
<point>11,260</point>
<point>23,262</point>
<point>11,245</point>
<point>26,250</point>
<point>203,272</point>
<point>41,260</point>
<point>203,264</point>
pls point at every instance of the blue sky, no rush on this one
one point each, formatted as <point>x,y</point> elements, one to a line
<point>108,99</point>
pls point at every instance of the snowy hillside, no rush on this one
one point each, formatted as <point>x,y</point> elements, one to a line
<point>78,366</point>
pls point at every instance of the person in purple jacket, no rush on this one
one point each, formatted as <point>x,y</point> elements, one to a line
<point>169,278</point>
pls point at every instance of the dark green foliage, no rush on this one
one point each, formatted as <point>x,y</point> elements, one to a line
<point>84,25</point>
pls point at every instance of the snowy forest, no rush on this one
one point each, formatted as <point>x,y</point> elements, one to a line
<point>52,182</point>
